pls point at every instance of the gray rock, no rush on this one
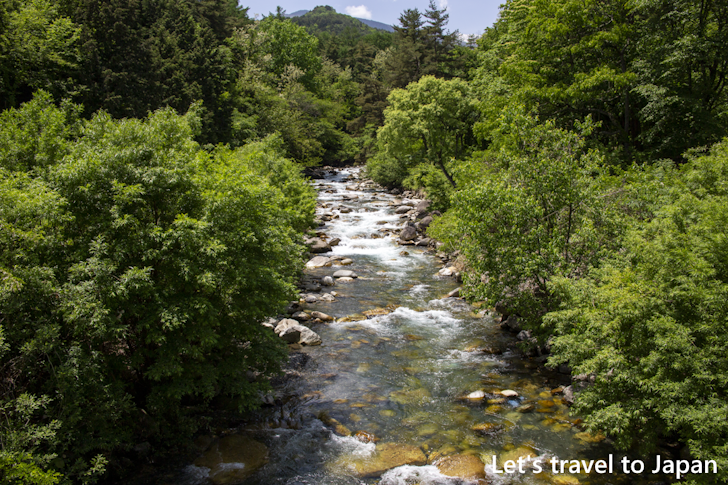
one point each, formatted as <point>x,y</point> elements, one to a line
<point>334,242</point>
<point>270,323</point>
<point>454,293</point>
<point>301,316</point>
<point>512,324</point>
<point>346,262</point>
<point>569,395</point>
<point>422,206</point>
<point>327,297</point>
<point>408,233</point>
<point>403,209</point>
<point>310,299</point>
<point>322,316</point>
<point>447,271</point>
<point>291,335</point>
<point>328,281</point>
<point>317,245</point>
<point>318,262</point>
<point>308,336</point>
<point>524,335</point>
<point>424,223</point>
<point>345,279</point>
<point>344,273</point>
<point>284,324</point>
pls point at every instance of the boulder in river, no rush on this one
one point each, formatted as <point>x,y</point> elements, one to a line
<point>290,335</point>
<point>318,262</point>
<point>317,245</point>
<point>487,428</point>
<point>327,281</point>
<point>385,457</point>
<point>322,316</point>
<point>306,335</point>
<point>403,209</point>
<point>233,458</point>
<point>408,233</point>
<point>467,467</point>
<point>424,223</point>
<point>475,396</point>
<point>344,273</point>
<point>284,324</point>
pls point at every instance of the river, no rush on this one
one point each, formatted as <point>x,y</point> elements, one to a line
<point>401,373</point>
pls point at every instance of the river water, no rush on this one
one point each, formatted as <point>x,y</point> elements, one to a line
<point>401,376</point>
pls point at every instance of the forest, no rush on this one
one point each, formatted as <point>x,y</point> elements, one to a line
<point>153,204</point>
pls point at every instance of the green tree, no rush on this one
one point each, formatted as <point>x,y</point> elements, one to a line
<point>682,67</point>
<point>531,210</point>
<point>650,323</point>
<point>430,121</point>
<point>567,59</point>
<point>135,272</point>
<point>289,44</point>
<point>39,49</point>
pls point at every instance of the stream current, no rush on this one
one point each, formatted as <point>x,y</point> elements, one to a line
<point>401,376</point>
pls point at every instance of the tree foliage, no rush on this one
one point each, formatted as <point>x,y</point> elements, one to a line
<point>539,189</point>
<point>135,275</point>
<point>430,121</point>
<point>650,323</point>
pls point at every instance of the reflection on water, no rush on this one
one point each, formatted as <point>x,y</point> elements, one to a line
<point>422,370</point>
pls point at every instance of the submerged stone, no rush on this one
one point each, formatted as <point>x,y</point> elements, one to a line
<point>233,458</point>
<point>475,396</point>
<point>520,452</point>
<point>318,262</point>
<point>487,428</point>
<point>376,311</point>
<point>410,396</point>
<point>587,437</point>
<point>385,457</point>
<point>467,467</point>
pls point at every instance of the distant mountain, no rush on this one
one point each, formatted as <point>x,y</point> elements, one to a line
<point>326,9</point>
<point>297,13</point>
<point>376,25</point>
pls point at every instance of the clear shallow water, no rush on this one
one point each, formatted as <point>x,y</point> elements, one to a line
<point>402,376</point>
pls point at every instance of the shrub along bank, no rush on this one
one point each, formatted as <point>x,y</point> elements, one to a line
<point>136,268</point>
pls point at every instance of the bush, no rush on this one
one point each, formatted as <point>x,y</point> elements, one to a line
<point>651,324</point>
<point>135,274</point>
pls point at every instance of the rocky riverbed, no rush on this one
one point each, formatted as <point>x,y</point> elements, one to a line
<point>393,378</point>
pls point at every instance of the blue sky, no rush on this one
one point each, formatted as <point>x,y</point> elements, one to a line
<point>469,17</point>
